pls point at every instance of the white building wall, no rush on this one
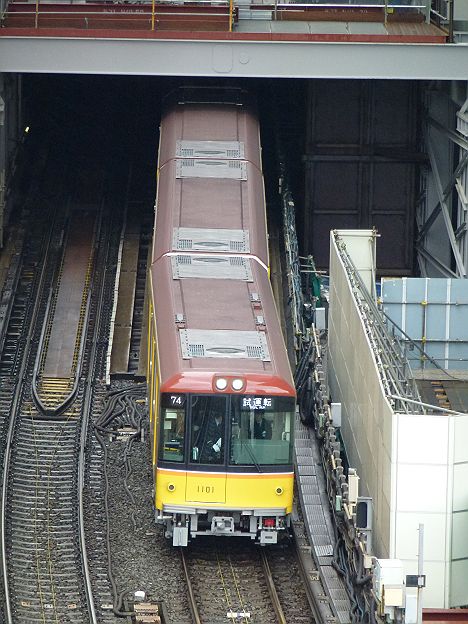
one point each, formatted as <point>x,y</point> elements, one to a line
<point>459,547</point>
<point>460,10</point>
<point>424,451</point>
<point>354,380</point>
<point>415,467</point>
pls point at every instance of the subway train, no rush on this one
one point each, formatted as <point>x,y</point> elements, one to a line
<point>220,391</point>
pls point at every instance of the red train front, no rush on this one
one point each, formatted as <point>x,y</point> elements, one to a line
<point>221,393</point>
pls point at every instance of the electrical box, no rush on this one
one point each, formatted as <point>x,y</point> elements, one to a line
<point>353,486</point>
<point>320,319</point>
<point>387,572</point>
<point>364,519</point>
<point>335,409</point>
<point>393,595</point>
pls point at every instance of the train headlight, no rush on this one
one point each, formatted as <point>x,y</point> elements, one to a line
<point>170,487</point>
<point>279,491</point>
<point>221,383</point>
<point>237,384</point>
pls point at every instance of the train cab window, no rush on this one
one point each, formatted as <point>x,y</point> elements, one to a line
<point>172,428</point>
<point>208,429</point>
<point>261,430</point>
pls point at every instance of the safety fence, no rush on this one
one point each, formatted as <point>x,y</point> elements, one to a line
<point>208,15</point>
<point>199,15</point>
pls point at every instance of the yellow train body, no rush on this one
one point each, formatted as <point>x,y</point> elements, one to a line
<point>232,491</point>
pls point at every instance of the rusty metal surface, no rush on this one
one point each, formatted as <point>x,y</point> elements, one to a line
<point>62,341</point>
<point>126,297</point>
<point>445,616</point>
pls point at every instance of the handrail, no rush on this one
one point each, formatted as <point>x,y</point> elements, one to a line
<point>145,13</point>
<point>142,14</point>
<point>443,20</point>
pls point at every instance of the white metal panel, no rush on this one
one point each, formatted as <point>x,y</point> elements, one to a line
<point>423,439</point>
<point>228,343</point>
<point>436,580</point>
<point>360,245</point>
<point>461,437</point>
<point>422,489</point>
<point>460,487</point>
<point>211,267</point>
<point>211,168</point>
<point>210,239</point>
<point>458,584</point>
<point>367,416</point>
<point>407,525</point>
<point>282,59</point>
<point>460,535</point>
<point>210,149</point>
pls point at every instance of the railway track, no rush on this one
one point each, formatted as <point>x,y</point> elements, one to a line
<point>46,572</point>
<point>239,582</point>
<point>59,546</point>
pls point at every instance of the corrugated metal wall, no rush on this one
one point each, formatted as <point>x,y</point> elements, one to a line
<point>361,166</point>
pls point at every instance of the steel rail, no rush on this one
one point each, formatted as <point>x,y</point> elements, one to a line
<point>275,601</point>
<point>86,411</point>
<point>191,596</point>
<point>14,409</point>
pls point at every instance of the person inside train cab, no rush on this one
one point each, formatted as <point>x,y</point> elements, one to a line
<point>214,439</point>
<point>262,426</point>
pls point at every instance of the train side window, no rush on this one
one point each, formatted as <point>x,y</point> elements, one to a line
<point>172,430</point>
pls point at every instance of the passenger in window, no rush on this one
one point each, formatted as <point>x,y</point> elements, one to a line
<point>262,427</point>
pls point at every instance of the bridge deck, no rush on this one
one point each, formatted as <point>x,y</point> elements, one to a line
<point>252,21</point>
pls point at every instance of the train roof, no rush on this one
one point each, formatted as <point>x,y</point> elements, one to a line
<point>217,318</point>
<point>214,308</point>
<point>210,181</point>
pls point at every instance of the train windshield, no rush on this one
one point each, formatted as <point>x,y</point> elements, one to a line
<point>238,429</point>
<point>261,430</point>
<point>208,429</point>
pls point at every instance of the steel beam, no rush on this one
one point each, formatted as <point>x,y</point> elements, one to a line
<point>237,58</point>
<point>445,211</point>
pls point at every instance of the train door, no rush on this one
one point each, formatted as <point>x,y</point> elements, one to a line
<point>206,475</point>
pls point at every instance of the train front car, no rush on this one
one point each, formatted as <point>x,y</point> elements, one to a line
<point>221,393</point>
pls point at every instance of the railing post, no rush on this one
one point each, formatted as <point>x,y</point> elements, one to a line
<point>231,14</point>
<point>36,19</point>
<point>385,13</point>
<point>152,14</point>
<point>450,18</point>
